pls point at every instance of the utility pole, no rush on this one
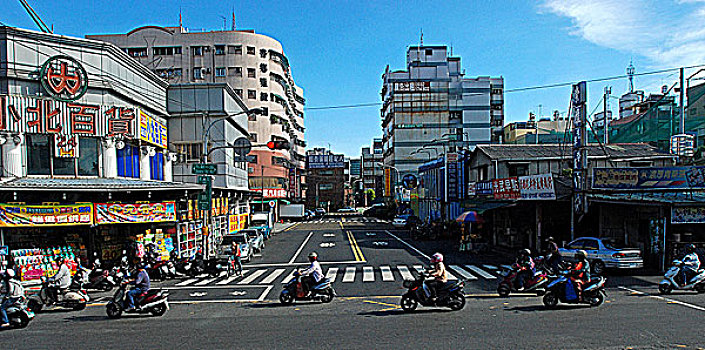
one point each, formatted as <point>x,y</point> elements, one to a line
<point>681,125</point>
<point>605,97</point>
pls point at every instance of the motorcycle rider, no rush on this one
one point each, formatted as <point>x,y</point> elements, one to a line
<point>580,272</point>
<point>142,284</point>
<point>525,266</point>
<point>555,258</point>
<point>60,281</point>
<point>313,274</point>
<point>438,272</point>
<point>691,264</point>
<point>13,291</point>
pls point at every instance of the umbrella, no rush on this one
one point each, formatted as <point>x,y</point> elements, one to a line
<point>470,216</point>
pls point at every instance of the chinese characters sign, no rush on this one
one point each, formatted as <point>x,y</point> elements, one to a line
<point>33,115</point>
<point>65,146</point>
<point>649,178</point>
<point>63,78</point>
<point>532,187</point>
<point>507,188</point>
<point>537,187</point>
<point>45,215</point>
<point>117,213</point>
<point>236,222</point>
<point>152,130</point>
<point>688,215</point>
<point>274,193</point>
<point>324,161</point>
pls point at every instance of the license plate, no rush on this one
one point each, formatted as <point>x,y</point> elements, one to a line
<point>633,265</point>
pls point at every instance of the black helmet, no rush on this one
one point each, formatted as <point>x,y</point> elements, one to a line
<point>690,248</point>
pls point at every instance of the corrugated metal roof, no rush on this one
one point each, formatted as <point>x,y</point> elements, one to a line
<point>615,151</point>
<point>95,184</point>
<point>654,197</point>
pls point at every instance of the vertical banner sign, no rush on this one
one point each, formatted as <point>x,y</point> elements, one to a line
<point>452,177</point>
<point>578,101</point>
<point>152,130</point>
<point>292,182</point>
<point>387,182</point>
<point>65,146</point>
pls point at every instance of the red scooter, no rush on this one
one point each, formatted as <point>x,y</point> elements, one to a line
<point>534,284</point>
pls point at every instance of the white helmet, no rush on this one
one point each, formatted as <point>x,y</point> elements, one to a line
<point>10,273</point>
<point>436,258</point>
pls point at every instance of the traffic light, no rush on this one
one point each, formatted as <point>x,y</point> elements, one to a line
<point>278,145</point>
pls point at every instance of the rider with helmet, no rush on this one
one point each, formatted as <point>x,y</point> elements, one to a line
<point>691,264</point>
<point>142,285</point>
<point>580,272</point>
<point>438,272</point>
<point>61,280</point>
<point>13,291</point>
<point>525,265</point>
<point>313,274</point>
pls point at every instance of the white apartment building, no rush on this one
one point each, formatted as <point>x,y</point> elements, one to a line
<point>255,67</point>
<point>432,105</point>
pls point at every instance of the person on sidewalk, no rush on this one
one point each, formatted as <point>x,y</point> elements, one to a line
<point>237,258</point>
<point>13,292</point>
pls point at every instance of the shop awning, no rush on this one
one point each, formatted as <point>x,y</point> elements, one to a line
<point>480,206</point>
<point>93,185</point>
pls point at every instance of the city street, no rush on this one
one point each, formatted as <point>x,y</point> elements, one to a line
<point>368,261</point>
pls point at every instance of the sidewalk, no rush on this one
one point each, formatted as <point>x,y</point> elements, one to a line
<point>279,227</point>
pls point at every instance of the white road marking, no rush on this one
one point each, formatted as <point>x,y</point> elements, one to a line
<point>387,275</point>
<point>293,258</point>
<point>349,274</point>
<point>332,274</point>
<point>272,276</point>
<point>480,272</point>
<point>491,267</point>
<point>230,279</point>
<point>466,275</point>
<point>669,300</point>
<point>206,281</point>
<point>506,267</point>
<point>249,279</point>
<point>405,273</point>
<point>368,274</point>
<point>409,245</point>
<point>419,269</point>
<point>289,277</point>
<point>186,282</point>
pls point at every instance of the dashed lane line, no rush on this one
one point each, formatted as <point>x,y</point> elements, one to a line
<point>405,273</point>
<point>332,274</point>
<point>669,300</point>
<point>206,281</point>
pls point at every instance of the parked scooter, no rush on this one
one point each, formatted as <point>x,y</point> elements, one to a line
<point>293,290</point>
<point>155,301</point>
<point>536,284</point>
<point>97,278</point>
<point>74,297</point>
<point>19,314</point>
<point>449,294</point>
<point>561,290</point>
<point>669,283</point>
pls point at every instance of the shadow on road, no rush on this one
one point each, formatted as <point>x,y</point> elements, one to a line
<point>277,305</point>
<point>559,307</point>
<point>86,318</point>
<point>399,312</point>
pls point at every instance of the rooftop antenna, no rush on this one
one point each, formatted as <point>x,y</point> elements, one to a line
<point>421,44</point>
<point>630,74</point>
<point>223,17</point>
<point>181,23</point>
<point>233,25</point>
<point>35,17</point>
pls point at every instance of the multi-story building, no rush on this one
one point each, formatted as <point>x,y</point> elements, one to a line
<point>372,170</point>
<point>326,179</point>
<point>548,131</point>
<point>432,104</point>
<point>255,67</point>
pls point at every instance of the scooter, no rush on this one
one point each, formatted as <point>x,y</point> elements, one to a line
<point>19,314</point>
<point>561,290</point>
<point>74,297</point>
<point>449,294</point>
<point>669,283</point>
<point>293,290</point>
<point>536,284</point>
<point>97,279</point>
<point>155,301</point>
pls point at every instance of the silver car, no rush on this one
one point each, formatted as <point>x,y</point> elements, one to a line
<point>602,255</point>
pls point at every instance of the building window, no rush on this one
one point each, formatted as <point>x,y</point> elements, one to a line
<point>235,50</point>
<point>251,73</point>
<point>252,159</point>
<point>166,51</point>
<point>220,71</point>
<point>518,169</point>
<point>263,96</point>
<point>198,50</point>
<point>496,91</point>
<point>38,155</point>
<point>88,155</point>
<point>265,111</point>
<point>253,137</point>
<point>156,166</point>
<point>191,151</point>
<point>128,161</point>
<point>252,94</point>
<point>237,71</point>
<point>197,73</point>
<point>325,187</point>
<point>137,51</point>
<point>250,50</point>
<point>220,49</point>
<point>429,52</point>
<point>238,92</point>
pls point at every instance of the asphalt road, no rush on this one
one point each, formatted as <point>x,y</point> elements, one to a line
<point>245,313</point>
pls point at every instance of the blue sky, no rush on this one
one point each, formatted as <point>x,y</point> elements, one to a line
<point>339,49</point>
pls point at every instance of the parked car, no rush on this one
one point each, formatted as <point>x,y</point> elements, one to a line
<point>380,211</point>
<point>255,238</point>
<point>346,210</point>
<point>265,230</point>
<point>602,255</point>
<point>320,211</point>
<point>405,221</point>
<point>225,248</point>
<point>309,214</point>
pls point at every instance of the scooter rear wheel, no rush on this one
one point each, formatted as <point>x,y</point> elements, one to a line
<point>408,303</point>
<point>35,305</point>
<point>79,306</point>
<point>550,300</point>
<point>700,287</point>
<point>665,288</point>
<point>327,296</point>
<point>113,311</point>
<point>503,291</point>
<point>106,287</point>
<point>457,302</point>
<point>286,298</point>
<point>159,310</point>
<point>598,299</point>
<point>23,322</point>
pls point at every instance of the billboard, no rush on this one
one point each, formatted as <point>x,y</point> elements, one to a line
<point>152,130</point>
<point>537,187</point>
<point>648,178</point>
<point>688,215</point>
<point>119,213</point>
<point>506,188</point>
<point>324,161</point>
<point>45,215</point>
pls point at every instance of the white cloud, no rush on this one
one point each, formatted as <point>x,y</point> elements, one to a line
<point>667,33</point>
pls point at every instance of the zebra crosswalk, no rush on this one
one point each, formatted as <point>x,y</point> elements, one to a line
<point>343,274</point>
<point>351,220</point>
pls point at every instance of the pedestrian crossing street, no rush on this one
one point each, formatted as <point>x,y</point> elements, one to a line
<point>345,274</point>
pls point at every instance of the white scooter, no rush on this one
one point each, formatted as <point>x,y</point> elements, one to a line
<point>669,283</point>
